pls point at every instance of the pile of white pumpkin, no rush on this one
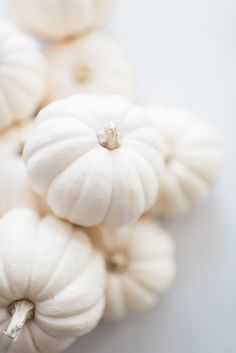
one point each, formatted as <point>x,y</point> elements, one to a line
<point>81,186</point>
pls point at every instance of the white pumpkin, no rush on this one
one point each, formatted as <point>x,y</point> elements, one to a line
<point>193,160</point>
<point>14,187</point>
<point>22,75</point>
<point>51,283</point>
<point>59,19</point>
<point>95,159</point>
<point>140,265</point>
<point>93,63</point>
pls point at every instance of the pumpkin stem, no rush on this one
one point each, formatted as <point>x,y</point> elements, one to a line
<point>109,137</point>
<point>117,263</point>
<point>82,74</point>
<point>21,311</point>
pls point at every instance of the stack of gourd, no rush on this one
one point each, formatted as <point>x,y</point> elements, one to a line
<point>81,186</point>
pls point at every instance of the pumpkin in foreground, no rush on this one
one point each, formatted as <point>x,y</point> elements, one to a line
<point>14,187</point>
<point>94,63</point>
<point>140,265</point>
<point>192,156</point>
<point>59,19</point>
<point>51,283</point>
<point>22,75</point>
<point>95,159</point>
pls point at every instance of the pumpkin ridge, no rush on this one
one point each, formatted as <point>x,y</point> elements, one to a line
<point>84,324</point>
<point>3,314</point>
<point>76,160</point>
<point>34,257</point>
<point>83,268</point>
<point>78,313</point>
<point>111,193</point>
<point>19,66</point>
<point>88,172</point>
<point>7,282</point>
<point>133,170</point>
<point>7,114</point>
<point>31,335</point>
<point>148,144</point>
<point>195,170</point>
<point>18,39</point>
<point>142,284</point>
<point>11,81</point>
<point>10,288</point>
<point>140,183</point>
<point>10,347</point>
<point>124,116</point>
<point>34,324</point>
<point>55,268</point>
<point>8,104</point>
<point>63,168</point>
<point>140,156</point>
<point>141,287</point>
<point>20,92</point>
<point>119,295</point>
<point>41,118</point>
<point>124,298</point>
<point>37,322</point>
<point>197,179</point>
<point>62,139</point>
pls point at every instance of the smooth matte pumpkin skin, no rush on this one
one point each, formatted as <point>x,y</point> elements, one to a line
<point>52,264</point>
<point>93,63</point>
<point>60,19</point>
<point>83,181</point>
<point>22,76</point>
<point>193,160</point>
<point>14,187</point>
<point>149,254</point>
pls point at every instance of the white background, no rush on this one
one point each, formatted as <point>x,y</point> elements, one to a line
<point>185,54</point>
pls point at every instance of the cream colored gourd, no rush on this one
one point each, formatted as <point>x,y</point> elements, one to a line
<point>140,266</point>
<point>93,63</point>
<point>95,159</point>
<point>193,160</point>
<point>22,75</point>
<point>62,18</point>
<point>14,187</point>
<point>51,283</point>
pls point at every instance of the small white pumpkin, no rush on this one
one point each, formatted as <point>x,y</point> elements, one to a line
<point>14,187</point>
<point>22,75</point>
<point>51,283</point>
<point>140,266</point>
<point>94,63</point>
<point>193,160</point>
<point>95,159</point>
<point>61,18</point>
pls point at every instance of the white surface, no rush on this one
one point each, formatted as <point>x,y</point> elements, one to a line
<point>185,53</point>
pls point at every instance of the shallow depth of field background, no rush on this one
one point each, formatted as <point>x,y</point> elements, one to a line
<point>185,54</point>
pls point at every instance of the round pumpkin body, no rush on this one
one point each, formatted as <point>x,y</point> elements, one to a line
<point>93,63</point>
<point>52,283</point>
<point>95,160</point>
<point>22,75</point>
<point>14,188</point>
<point>59,19</point>
<point>192,160</point>
<point>140,266</point>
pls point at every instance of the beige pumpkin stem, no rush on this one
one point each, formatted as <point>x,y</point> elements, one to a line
<point>109,137</point>
<point>82,74</point>
<point>21,311</point>
<point>117,263</point>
